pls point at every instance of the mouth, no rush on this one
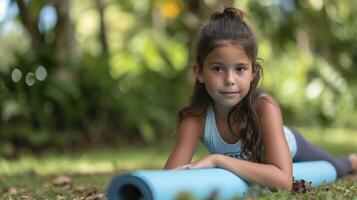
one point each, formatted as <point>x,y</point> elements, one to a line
<point>229,93</point>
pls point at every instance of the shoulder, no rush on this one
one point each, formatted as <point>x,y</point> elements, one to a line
<point>192,126</point>
<point>266,104</point>
<point>269,114</point>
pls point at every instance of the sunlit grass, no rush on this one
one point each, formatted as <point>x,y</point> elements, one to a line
<point>32,176</point>
<point>96,160</point>
<point>112,159</point>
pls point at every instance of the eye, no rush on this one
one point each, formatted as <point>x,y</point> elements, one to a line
<point>217,68</point>
<point>241,68</point>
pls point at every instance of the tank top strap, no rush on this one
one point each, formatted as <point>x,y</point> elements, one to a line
<point>209,125</point>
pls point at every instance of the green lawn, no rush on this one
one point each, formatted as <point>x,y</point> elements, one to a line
<point>87,174</point>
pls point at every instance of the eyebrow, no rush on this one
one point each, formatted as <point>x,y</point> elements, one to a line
<point>242,64</point>
<point>215,62</point>
<point>239,64</point>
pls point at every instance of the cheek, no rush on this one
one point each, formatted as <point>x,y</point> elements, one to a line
<point>211,81</point>
<point>211,85</point>
<point>246,84</point>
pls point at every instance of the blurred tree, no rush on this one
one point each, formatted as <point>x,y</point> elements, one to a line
<point>320,34</point>
<point>63,100</point>
<point>29,19</point>
<point>107,71</point>
<point>102,33</point>
<point>65,42</point>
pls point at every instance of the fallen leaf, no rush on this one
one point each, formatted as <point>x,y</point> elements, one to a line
<point>326,188</point>
<point>13,190</point>
<point>25,197</point>
<point>301,186</point>
<point>100,195</point>
<point>59,197</point>
<point>80,189</point>
<point>94,195</point>
<point>62,181</point>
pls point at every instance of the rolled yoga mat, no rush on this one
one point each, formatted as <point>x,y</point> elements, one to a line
<point>202,183</point>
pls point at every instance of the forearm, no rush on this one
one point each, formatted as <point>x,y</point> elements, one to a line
<point>262,174</point>
<point>175,160</point>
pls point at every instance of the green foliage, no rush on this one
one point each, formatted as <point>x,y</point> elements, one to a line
<point>51,112</point>
<point>310,48</point>
<point>133,92</point>
<point>151,81</point>
<point>133,97</point>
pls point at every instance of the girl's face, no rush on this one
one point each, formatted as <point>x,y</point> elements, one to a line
<point>227,74</point>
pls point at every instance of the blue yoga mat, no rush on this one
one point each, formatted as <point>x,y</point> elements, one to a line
<point>202,183</point>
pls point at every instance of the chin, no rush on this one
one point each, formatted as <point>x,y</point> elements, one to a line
<point>230,104</point>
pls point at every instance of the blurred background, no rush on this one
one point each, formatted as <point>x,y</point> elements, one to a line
<point>85,73</point>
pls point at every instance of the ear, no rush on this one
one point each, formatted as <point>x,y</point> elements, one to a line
<point>254,71</point>
<point>198,73</point>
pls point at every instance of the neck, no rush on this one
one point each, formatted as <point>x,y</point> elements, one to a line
<point>221,111</point>
<point>221,116</point>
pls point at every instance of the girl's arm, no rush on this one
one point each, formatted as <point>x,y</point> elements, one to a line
<point>189,132</point>
<point>277,171</point>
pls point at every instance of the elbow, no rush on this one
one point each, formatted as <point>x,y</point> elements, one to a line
<point>286,183</point>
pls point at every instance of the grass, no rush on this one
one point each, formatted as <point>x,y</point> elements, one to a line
<point>90,172</point>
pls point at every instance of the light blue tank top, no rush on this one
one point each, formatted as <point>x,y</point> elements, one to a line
<point>213,141</point>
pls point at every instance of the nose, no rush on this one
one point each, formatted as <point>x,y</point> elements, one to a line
<point>229,78</point>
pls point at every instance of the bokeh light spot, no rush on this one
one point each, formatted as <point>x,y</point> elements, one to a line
<point>16,75</point>
<point>30,79</point>
<point>41,73</point>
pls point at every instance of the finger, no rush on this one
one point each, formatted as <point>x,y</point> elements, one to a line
<point>182,167</point>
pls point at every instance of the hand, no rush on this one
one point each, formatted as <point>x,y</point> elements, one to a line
<point>206,162</point>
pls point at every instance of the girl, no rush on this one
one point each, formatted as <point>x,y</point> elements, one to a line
<point>241,127</point>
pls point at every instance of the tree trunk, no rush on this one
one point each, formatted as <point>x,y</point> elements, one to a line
<point>102,33</point>
<point>30,23</point>
<point>65,43</point>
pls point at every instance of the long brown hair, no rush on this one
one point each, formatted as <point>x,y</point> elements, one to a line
<point>229,25</point>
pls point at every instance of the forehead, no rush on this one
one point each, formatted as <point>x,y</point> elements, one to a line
<point>220,43</point>
<point>228,50</point>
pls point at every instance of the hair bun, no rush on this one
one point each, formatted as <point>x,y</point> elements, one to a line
<point>229,12</point>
